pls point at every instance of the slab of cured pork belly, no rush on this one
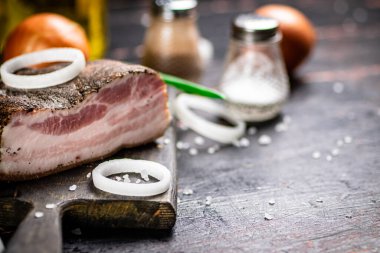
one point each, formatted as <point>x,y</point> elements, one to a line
<point>110,105</point>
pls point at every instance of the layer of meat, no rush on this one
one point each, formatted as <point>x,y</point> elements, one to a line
<point>122,106</point>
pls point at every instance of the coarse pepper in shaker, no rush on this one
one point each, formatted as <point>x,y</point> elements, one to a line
<point>172,40</point>
<point>254,81</point>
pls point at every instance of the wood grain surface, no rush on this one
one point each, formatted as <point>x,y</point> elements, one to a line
<point>86,206</point>
<point>319,205</point>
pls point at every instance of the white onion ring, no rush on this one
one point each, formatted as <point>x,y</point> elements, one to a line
<point>156,170</point>
<point>217,132</point>
<point>75,56</point>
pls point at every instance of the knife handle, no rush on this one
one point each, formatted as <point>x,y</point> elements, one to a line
<point>43,235</point>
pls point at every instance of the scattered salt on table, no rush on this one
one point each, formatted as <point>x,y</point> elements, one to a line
<point>199,140</point>
<point>182,145</point>
<point>339,143</point>
<point>211,150</point>
<point>208,200</point>
<point>50,206</point>
<point>281,127</point>
<point>187,191</point>
<point>267,216</point>
<point>38,214</point>
<point>347,139</point>
<point>287,119</point>
<point>73,187</point>
<point>335,152</point>
<point>88,175</point>
<point>193,151</point>
<point>338,87</point>
<point>319,200</point>
<point>244,142</point>
<point>264,140</point>
<point>316,155</point>
<point>329,158</point>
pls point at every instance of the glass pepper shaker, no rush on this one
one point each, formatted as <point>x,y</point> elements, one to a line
<point>254,81</point>
<point>171,42</point>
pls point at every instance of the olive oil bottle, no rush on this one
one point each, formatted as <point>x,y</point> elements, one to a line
<point>91,14</point>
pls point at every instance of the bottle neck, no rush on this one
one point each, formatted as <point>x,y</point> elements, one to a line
<point>273,41</point>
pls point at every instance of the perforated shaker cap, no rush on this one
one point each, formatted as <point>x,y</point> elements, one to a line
<point>173,8</point>
<point>253,28</point>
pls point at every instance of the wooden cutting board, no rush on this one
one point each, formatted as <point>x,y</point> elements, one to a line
<point>86,206</point>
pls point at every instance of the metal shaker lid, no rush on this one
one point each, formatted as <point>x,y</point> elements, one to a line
<point>169,9</point>
<point>254,28</point>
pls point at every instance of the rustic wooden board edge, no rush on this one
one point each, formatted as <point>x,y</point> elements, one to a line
<point>45,234</point>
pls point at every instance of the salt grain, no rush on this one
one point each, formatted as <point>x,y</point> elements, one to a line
<point>187,191</point>
<point>319,200</point>
<point>144,175</point>
<point>166,141</point>
<point>339,143</point>
<point>126,178</point>
<point>252,130</point>
<point>208,200</point>
<point>347,139</point>
<point>329,158</point>
<point>338,87</point>
<point>182,145</point>
<point>88,175</point>
<point>118,178</point>
<point>335,151</point>
<point>199,140</point>
<point>178,200</point>
<point>138,181</point>
<point>287,119</point>
<point>50,206</point>
<point>160,146</point>
<point>193,151</point>
<point>73,187</point>
<point>244,142</point>
<point>264,140</point>
<point>271,202</point>
<point>267,216</point>
<point>76,231</point>
<point>316,155</point>
<point>281,127</point>
<point>38,214</point>
<point>211,150</point>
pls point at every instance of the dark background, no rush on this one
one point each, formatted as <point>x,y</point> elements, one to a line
<point>319,205</point>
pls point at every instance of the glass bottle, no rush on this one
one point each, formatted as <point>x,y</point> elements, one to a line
<point>254,80</point>
<point>171,42</point>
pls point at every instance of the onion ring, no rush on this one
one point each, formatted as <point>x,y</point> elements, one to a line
<point>156,170</point>
<point>75,56</point>
<point>217,132</point>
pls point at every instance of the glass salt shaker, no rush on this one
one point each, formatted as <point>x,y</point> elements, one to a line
<point>171,42</point>
<point>254,81</point>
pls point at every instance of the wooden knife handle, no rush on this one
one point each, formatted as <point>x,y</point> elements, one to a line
<point>43,235</point>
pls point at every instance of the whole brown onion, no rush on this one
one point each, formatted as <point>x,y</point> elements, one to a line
<point>45,30</point>
<point>297,31</point>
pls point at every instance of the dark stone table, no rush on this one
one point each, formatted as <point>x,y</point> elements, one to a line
<point>316,205</point>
